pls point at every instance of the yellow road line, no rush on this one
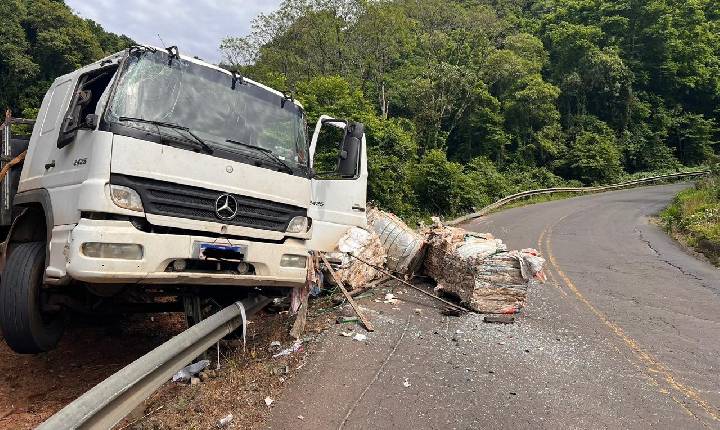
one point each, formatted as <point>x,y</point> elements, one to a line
<point>652,365</point>
<point>555,283</point>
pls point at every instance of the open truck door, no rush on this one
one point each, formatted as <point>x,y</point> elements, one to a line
<point>339,186</point>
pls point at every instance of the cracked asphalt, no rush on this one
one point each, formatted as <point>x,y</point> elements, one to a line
<point>625,334</point>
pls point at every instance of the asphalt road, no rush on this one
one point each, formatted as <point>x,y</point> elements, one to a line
<point>625,334</point>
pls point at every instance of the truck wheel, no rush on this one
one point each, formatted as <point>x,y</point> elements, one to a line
<point>25,328</point>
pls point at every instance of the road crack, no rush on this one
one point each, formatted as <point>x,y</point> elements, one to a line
<point>665,260</point>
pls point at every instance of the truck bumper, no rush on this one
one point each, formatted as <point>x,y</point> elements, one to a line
<point>160,250</point>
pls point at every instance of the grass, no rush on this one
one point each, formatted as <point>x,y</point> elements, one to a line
<point>694,218</point>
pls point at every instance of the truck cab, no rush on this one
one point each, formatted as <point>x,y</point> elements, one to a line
<point>150,171</point>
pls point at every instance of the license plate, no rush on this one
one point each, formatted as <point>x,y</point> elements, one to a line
<point>214,251</point>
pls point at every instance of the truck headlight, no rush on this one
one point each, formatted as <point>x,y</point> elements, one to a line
<point>126,198</point>
<point>299,224</point>
<point>295,261</point>
<point>119,251</point>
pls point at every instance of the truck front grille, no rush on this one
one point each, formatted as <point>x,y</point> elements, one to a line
<point>183,201</point>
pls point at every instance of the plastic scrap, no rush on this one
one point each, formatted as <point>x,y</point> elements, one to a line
<point>360,337</point>
<point>268,401</point>
<point>187,372</point>
<point>345,320</point>
<point>296,346</point>
<point>223,422</point>
<point>390,298</point>
<point>404,247</point>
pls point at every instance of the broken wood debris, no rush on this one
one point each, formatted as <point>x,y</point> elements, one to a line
<point>365,321</point>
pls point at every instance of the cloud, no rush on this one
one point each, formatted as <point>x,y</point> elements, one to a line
<point>195,27</point>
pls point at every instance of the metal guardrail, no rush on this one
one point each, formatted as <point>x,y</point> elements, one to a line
<point>110,401</point>
<point>524,194</point>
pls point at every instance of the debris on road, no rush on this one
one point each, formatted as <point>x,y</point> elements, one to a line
<point>345,320</point>
<point>404,247</point>
<point>478,269</point>
<point>499,319</point>
<point>365,321</point>
<point>452,312</point>
<point>296,346</point>
<point>361,243</point>
<point>360,337</point>
<point>189,372</point>
<point>391,299</point>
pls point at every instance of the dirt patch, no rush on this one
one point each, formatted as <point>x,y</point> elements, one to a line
<point>34,387</point>
<point>244,380</point>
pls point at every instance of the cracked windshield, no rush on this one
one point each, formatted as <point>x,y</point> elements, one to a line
<point>165,95</point>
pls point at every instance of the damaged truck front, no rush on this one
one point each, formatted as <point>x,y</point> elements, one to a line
<point>149,174</point>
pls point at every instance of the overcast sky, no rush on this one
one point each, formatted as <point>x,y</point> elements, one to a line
<point>196,27</point>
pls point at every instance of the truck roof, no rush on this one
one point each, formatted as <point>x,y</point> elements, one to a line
<point>118,55</point>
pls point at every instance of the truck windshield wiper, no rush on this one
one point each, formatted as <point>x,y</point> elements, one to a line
<point>270,155</point>
<point>172,126</point>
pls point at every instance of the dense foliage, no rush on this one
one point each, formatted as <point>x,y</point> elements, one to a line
<point>694,216</point>
<point>466,101</point>
<point>41,40</point>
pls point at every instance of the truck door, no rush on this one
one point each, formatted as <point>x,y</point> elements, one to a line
<point>339,188</point>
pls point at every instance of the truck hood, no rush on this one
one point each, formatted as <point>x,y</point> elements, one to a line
<point>134,157</point>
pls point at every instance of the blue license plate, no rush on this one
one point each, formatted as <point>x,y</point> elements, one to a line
<point>213,251</point>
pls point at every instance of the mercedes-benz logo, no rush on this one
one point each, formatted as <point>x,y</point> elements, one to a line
<point>226,207</point>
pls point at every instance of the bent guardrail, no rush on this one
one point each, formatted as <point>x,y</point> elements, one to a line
<point>113,399</point>
<point>505,200</point>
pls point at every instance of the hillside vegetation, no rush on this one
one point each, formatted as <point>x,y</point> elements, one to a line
<point>41,40</point>
<point>468,101</point>
<point>694,217</point>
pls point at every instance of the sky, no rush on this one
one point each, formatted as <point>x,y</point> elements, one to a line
<point>196,27</point>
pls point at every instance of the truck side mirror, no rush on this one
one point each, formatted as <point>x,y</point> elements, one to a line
<point>350,149</point>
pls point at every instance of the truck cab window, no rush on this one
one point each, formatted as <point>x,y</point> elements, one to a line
<point>325,162</point>
<point>88,91</point>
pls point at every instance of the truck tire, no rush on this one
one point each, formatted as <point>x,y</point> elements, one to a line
<point>25,328</point>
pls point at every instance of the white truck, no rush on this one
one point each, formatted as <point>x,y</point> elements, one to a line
<point>149,173</point>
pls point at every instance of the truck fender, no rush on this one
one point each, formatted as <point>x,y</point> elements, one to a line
<point>34,209</point>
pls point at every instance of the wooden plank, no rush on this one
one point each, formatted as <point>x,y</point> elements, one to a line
<point>365,321</point>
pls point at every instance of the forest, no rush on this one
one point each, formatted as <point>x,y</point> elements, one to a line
<point>468,101</point>
<point>464,101</point>
<point>41,40</point>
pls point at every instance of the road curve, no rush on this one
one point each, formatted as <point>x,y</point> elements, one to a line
<point>625,334</point>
